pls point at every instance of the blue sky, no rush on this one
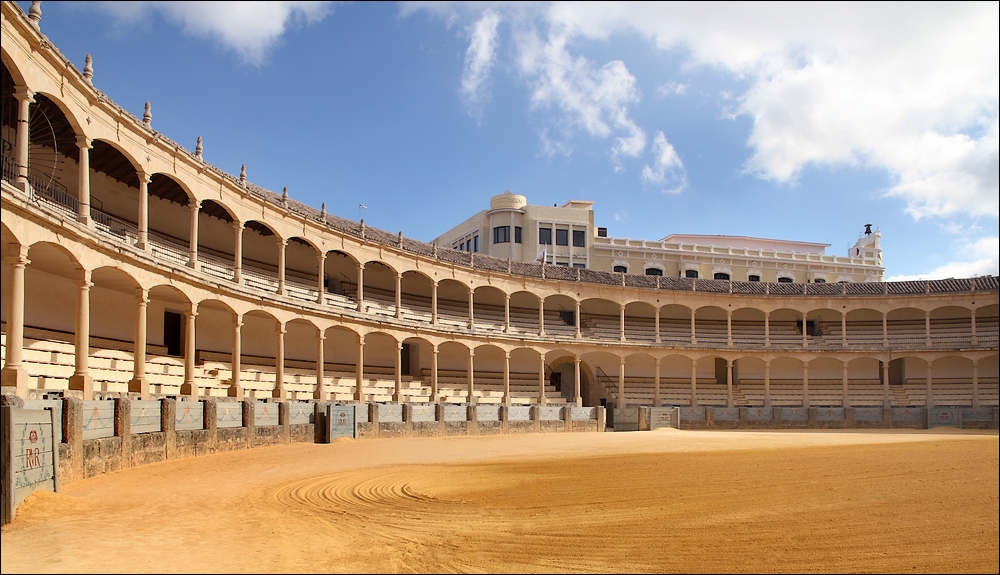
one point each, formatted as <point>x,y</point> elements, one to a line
<point>798,122</point>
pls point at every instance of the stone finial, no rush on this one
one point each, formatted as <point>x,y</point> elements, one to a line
<point>88,70</point>
<point>362,228</point>
<point>147,115</point>
<point>435,250</point>
<point>198,149</point>
<point>400,239</point>
<point>243,174</point>
<point>35,13</point>
<point>322,212</point>
<point>284,197</point>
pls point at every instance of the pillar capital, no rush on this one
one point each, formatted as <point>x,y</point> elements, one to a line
<point>237,322</point>
<point>144,177</point>
<point>399,345</point>
<point>280,330</point>
<point>506,354</point>
<point>84,143</point>
<point>282,242</point>
<point>194,204</point>
<point>141,295</point>
<point>22,93</point>
<point>20,259</point>
<point>238,226</point>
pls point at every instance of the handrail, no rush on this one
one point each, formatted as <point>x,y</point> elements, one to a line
<point>608,383</point>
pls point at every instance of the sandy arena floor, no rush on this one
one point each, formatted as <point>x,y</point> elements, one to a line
<point>661,501</point>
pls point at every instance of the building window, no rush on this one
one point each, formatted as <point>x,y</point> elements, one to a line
<point>562,237</point>
<point>654,272</point>
<point>579,239</point>
<point>517,235</point>
<point>819,281</point>
<point>583,266</point>
<point>544,236</point>
<point>564,264</point>
<point>475,244</point>
<point>501,235</point>
<point>693,274</point>
<point>753,278</point>
<point>468,245</point>
<point>602,232</point>
<point>722,276</point>
<point>784,280</point>
<point>621,269</point>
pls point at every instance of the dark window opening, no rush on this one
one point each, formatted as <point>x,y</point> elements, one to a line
<point>579,239</point>
<point>602,232</point>
<point>517,235</point>
<point>563,264</point>
<point>562,237</point>
<point>784,280</point>
<point>654,272</point>
<point>753,278</point>
<point>568,317</point>
<point>501,235</point>
<point>621,269</point>
<point>810,327</point>
<point>693,274</point>
<point>475,244</point>
<point>404,359</point>
<point>819,281</point>
<point>172,333</point>
<point>722,276</point>
<point>555,380</point>
<point>584,266</point>
<point>545,236</point>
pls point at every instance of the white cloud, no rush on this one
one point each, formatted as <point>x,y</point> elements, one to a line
<point>672,89</point>
<point>250,29</point>
<point>479,60</point>
<point>982,258</point>
<point>669,169</point>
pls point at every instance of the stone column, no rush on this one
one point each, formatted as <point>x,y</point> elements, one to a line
<point>472,318</point>
<point>470,397</point>
<point>729,384</point>
<point>25,98</point>
<point>81,379</point>
<point>238,253</point>
<point>279,364</point>
<point>139,383</point>
<point>975,384</point>
<point>845,401</point>
<point>885,329</point>
<point>767,329</point>
<point>320,393</point>
<point>541,316</point>
<point>14,373</point>
<point>621,322</point>
<point>621,383</point>
<point>843,329</point>
<point>506,378</point>
<point>434,303</point>
<point>975,338</point>
<point>930,389</point>
<point>656,325</point>
<point>656,384</point>
<point>694,383</point>
<point>767,383</point>
<point>190,387</point>
<point>578,334</point>
<point>694,333</point>
<point>805,332</point>
<point>320,288</point>
<point>399,296</point>
<point>541,379</point>
<point>434,374</point>
<point>143,219</point>
<point>886,401</point>
<point>195,207</point>
<point>805,384</point>
<point>729,328</point>
<point>927,329</point>
<point>83,146</point>
<point>397,395</point>
<point>359,371</point>
<point>236,389</point>
<point>506,313</point>
<point>577,398</point>
<point>361,288</point>
<point>282,244</point>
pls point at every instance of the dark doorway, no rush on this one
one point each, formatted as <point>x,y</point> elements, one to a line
<point>404,360</point>
<point>172,332</point>
<point>555,380</point>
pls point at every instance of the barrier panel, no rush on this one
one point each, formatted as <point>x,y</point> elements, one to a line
<point>228,414</point>
<point>693,413</point>
<point>98,419</point>
<point>664,417</point>
<point>549,413</point>
<point>145,416</point>
<point>909,414</point>
<point>829,413</point>
<point>300,413</point>
<point>626,419</point>
<point>422,413</point>
<point>519,413</point>
<point>341,421</point>
<point>488,412</point>
<point>726,413</point>
<point>867,414</point>
<point>265,414</point>
<point>57,406</point>
<point>360,412</point>
<point>583,413</point>
<point>794,414</point>
<point>30,456</point>
<point>390,413</point>
<point>968,413</point>
<point>190,416</point>
<point>454,412</point>
<point>760,414</point>
<point>944,417</point>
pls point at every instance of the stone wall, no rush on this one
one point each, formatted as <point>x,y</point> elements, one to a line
<point>828,418</point>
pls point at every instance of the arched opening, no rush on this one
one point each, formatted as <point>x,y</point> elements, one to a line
<point>748,327</point>
<point>380,289</point>
<point>604,389</point>
<point>785,328</point>
<point>417,292</point>
<point>864,382</point>
<point>675,324</point>
<point>560,316</point>
<point>639,379</point>
<point>259,264</point>
<point>216,240</point>
<point>215,335</point>
<point>166,329</point>
<point>907,327</point>
<point>786,382</point>
<point>951,326</point>
<point>988,325</point>
<point>488,309</point>
<point>381,355</point>
<point>341,280</point>
<point>453,303</point>
<point>114,192</point>
<point>453,372</point>
<point>260,350</point>
<point>864,328</point>
<point>561,384</point>
<point>823,327</point>
<point>524,312</point>
<point>301,270</point>
<point>749,376</point>
<point>416,359</point>
<point>112,328</point>
<point>600,319</point>
<point>169,219</point>
<point>340,354</point>
<point>301,346</point>
<point>488,366</point>
<point>712,387</point>
<point>710,326</point>
<point>826,382</point>
<point>640,321</point>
